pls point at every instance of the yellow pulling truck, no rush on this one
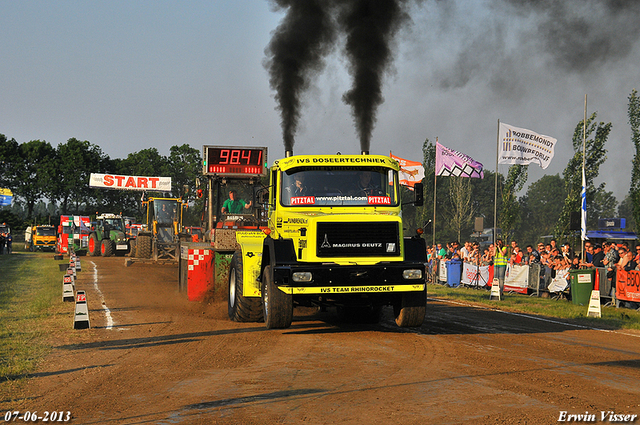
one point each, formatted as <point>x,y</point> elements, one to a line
<point>41,237</point>
<point>334,238</point>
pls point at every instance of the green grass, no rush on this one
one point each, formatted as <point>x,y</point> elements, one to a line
<point>31,309</point>
<point>612,318</point>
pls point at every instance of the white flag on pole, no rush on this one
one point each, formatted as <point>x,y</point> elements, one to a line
<point>522,146</point>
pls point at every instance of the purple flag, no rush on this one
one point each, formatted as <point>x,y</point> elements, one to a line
<point>453,163</point>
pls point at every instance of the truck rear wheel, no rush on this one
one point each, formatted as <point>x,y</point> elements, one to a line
<point>241,308</point>
<point>143,246</point>
<point>106,248</point>
<point>94,245</point>
<point>410,310</point>
<point>277,306</point>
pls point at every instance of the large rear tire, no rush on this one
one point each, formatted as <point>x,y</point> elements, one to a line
<point>410,310</point>
<point>277,306</point>
<point>94,245</point>
<point>241,308</point>
<point>106,248</point>
<point>143,246</point>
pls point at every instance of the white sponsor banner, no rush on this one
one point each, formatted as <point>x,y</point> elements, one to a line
<point>516,278</point>
<point>522,146</point>
<point>114,181</point>
<point>475,276</point>
<point>442,271</point>
<point>560,282</point>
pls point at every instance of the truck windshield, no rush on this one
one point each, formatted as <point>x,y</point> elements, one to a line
<point>45,231</point>
<point>339,186</point>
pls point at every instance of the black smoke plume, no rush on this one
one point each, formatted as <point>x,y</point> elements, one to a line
<point>307,34</point>
<point>295,54</point>
<point>370,26</point>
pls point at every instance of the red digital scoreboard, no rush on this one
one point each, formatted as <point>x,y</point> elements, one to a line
<point>234,161</point>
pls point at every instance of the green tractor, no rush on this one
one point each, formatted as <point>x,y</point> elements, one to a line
<point>162,233</point>
<point>107,236</point>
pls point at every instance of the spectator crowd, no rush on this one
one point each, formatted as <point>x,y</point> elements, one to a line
<point>553,259</point>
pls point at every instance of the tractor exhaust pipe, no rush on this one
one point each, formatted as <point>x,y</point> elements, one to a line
<point>288,153</point>
<point>365,152</point>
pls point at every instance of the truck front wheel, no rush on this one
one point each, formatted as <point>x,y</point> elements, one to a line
<point>410,309</point>
<point>241,308</point>
<point>277,306</point>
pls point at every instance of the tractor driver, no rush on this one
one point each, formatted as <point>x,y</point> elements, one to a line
<point>233,205</point>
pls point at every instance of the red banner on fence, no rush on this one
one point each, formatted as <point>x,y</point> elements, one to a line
<point>628,285</point>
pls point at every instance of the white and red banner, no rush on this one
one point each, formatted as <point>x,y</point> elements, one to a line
<point>473,275</point>
<point>516,279</point>
<point>560,282</point>
<point>411,172</point>
<point>522,146</point>
<point>442,271</point>
<point>115,181</point>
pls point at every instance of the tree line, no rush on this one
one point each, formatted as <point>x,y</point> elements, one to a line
<point>38,173</point>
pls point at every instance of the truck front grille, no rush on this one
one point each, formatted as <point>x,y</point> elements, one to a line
<point>358,239</point>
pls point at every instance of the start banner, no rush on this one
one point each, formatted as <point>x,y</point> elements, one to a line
<point>628,285</point>
<point>473,275</point>
<point>516,279</point>
<point>114,181</point>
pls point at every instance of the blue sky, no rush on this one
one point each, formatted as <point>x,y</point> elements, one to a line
<point>129,75</point>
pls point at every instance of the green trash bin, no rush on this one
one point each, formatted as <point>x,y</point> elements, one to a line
<point>581,285</point>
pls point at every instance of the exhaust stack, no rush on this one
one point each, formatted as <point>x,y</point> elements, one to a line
<point>288,153</point>
<point>365,153</point>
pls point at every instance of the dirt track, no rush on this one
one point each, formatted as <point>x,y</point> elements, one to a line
<point>168,361</point>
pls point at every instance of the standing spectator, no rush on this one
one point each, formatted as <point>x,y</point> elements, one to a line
<point>2,236</point>
<point>440,252</point>
<point>474,254</point>
<point>567,252</point>
<point>637,256</point>
<point>514,244</point>
<point>465,251</point>
<point>491,250</point>
<point>588,248</point>
<point>611,257</point>
<point>9,243</point>
<point>532,256</point>
<point>626,259</point>
<point>486,259</point>
<point>500,263</point>
<point>598,256</point>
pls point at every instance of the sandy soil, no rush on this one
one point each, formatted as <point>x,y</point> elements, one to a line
<point>165,360</point>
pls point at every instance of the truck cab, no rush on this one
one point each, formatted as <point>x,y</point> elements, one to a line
<point>40,237</point>
<point>334,238</point>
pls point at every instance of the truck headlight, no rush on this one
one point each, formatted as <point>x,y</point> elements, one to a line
<point>302,276</point>
<point>412,274</point>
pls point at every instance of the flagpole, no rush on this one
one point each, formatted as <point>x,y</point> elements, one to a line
<point>583,213</point>
<point>495,196</point>
<point>435,187</point>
